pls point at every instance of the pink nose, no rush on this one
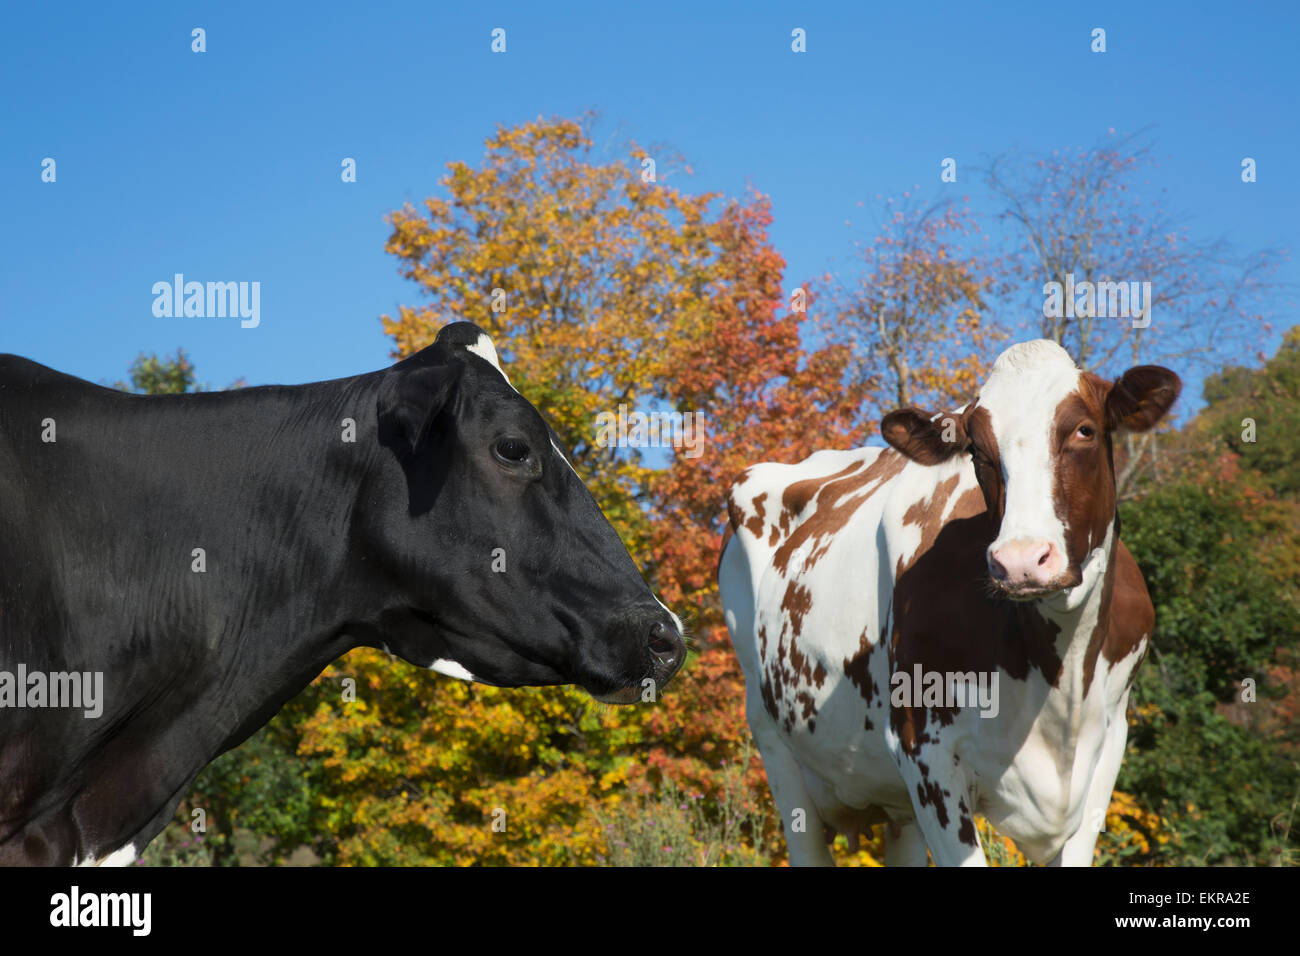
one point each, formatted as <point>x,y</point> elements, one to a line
<point>1025,562</point>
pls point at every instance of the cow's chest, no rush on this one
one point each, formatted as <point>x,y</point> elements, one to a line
<point>869,727</point>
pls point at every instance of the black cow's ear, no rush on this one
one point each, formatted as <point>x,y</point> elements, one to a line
<point>460,335</point>
<point>1141,397</point>
<point>924,437</point>
<point>413,399</point>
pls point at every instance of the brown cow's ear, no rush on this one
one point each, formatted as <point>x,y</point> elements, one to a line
<point>1141,398</point>
<point>924,437</point>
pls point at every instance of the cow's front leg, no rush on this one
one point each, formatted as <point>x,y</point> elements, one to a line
<point>1079,848</point>
<point>942,804</point>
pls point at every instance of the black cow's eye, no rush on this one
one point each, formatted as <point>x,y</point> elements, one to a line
<point>1084,431</point>
<point>511,450</point>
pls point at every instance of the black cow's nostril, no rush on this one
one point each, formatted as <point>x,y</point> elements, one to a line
<point>661,642</point>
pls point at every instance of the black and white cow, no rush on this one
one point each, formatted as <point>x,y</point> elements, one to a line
<point>205,556</point>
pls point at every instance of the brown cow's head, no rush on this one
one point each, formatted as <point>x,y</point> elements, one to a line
<point>1039,435</point>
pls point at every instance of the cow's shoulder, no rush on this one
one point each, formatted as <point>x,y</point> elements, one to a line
<point>783,506</point>
<point>1132,615</point>
<point>930,501</point>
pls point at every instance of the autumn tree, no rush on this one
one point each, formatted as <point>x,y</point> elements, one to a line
<point>1087,220</point>
<point>767,398</point>
<point>1087,215</point>
<point>576,265</point>
<point>913,312</point>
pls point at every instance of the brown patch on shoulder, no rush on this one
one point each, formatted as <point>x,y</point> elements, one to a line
<point>944,620</point>
<point>1133,616</point>
<point>928,513</point>
<point>837,501</point>
<point>1127,616</point>
<point>797,496</point>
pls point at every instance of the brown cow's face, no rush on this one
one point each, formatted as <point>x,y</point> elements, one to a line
<point>1039,437</point>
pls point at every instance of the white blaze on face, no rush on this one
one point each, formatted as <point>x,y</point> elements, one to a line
<point>1022,393</point>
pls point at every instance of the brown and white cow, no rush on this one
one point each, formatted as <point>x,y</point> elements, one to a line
<point>874,595</point>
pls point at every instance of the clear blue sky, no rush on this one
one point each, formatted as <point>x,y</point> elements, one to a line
<point>225,165</point>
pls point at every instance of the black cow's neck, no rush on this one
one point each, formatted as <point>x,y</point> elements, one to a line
<point>202,552</point>
<point>282,574</point>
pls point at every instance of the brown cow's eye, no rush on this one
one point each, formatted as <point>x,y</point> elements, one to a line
<point>511,450</point>
<point>1084,431</point>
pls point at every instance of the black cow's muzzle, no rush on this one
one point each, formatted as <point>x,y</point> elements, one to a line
<point>666,647</point>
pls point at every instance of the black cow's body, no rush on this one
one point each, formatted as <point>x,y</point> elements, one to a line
<point>311,545</point>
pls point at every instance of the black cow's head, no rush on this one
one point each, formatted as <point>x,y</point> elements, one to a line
<point>510,572</point>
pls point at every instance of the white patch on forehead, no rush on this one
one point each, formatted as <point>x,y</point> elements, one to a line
<point>1040,353</point>
<point>1027,383</point>
<point>485,350</point>
<point>444,665</point>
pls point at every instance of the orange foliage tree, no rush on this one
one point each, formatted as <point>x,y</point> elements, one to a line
<point>768,400</point>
